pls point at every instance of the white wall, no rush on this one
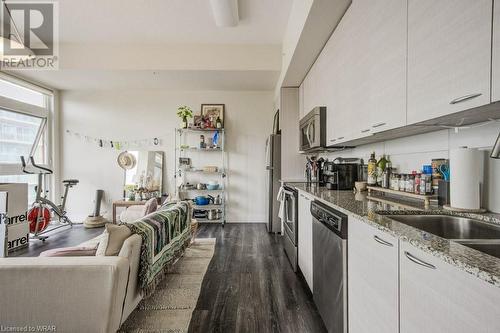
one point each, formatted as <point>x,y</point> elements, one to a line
<point>130,115</point>
<point>410,153</point>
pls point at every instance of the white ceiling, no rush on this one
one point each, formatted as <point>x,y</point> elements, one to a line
<point>118,44</point>
<point>156,80</point>
<point>169,21</point>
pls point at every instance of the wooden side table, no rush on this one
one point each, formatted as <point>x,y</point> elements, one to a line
<point>124,203</point>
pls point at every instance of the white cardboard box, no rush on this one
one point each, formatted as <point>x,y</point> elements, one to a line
<point>17,216</point>
<point>3,225</point>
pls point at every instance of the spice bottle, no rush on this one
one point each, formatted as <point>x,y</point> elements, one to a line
<point>410,183</point>
<point>402,182</point>
<point>416,186</point>
<point>395,182</point>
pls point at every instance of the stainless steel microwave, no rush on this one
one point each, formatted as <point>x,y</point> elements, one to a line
<point>313,129</point>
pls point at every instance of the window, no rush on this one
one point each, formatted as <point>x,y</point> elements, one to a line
<point>26,129</point>
<point>18,133</point>
<point>22,94</point>
<point>32,181</point>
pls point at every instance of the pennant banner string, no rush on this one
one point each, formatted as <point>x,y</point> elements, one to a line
<point>118,144</point>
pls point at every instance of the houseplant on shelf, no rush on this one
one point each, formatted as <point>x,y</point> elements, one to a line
<point>184,112</point>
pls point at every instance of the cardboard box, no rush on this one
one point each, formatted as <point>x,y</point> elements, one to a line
<point>4,241</point>
<point>17,216</point>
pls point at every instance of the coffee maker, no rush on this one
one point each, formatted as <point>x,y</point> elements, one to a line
<point>341,174</point>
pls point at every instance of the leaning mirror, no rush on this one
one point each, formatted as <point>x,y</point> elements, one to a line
<point>143,174</point>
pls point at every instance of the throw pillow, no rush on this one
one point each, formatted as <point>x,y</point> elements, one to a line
<point>113,239</point>
<point>151,206</point>
<point>75,251</point>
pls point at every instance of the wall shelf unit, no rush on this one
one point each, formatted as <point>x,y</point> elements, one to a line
<point>204,164</point>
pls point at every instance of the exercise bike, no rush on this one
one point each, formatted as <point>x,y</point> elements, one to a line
<point>44,211</point>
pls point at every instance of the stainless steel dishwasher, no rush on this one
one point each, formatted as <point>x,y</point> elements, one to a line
<point>330,265</point>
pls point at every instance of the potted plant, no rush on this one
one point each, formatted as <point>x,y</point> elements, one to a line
<point>184,112</point>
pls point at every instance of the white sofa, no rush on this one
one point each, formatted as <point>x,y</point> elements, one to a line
<point>74,294</point>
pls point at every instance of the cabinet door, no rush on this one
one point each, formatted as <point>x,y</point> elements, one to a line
<point>449,56</point>
<point>496,52</point>
<point>380,67</point>
<point>438,297</point>
<point>367,65</point>
<point>373,279</point>
<point>305,238</point>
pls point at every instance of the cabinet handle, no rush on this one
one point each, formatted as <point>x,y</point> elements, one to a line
<point>381,241</point>
<point>464,98</point>
<point>340,138</point>
<point>365,130</point>
<point>418,261</point>
<point>378,125</point>
<point>333,140</point>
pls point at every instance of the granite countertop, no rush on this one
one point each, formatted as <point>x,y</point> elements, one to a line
<point>376,211</point>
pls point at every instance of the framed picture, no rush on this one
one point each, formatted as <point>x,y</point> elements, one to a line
<point>212,112</point>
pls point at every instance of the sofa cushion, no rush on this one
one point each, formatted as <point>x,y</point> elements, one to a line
<point>75,251</point>
<point>113,239</point>
<point>151,206</point>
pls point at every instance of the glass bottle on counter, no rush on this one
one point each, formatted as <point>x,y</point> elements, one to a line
<point>372,170</point>
<point>402,182</point>
<point>381,165</point>
<point>386,177</point>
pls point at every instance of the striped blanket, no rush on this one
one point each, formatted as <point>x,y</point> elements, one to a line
<point>165,235</point>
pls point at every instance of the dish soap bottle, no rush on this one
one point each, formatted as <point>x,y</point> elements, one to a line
<point>372,170</point>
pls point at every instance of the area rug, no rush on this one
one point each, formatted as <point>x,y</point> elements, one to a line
<point>171,306</point>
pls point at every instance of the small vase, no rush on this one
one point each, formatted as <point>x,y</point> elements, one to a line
<point>184,123</point>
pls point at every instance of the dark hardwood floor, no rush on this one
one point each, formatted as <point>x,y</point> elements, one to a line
<point>251,287</point>
<point>62,237</point>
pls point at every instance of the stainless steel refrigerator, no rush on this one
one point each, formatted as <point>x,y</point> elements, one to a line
<point>273,175</point>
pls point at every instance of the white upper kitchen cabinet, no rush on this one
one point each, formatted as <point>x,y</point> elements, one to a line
<point>449,56</point>
<point>496,53</point>
<point>373,279</point>
<point>305,239</point>
<point>379,66</point>
<point>437,297</point>
<point>360,76</point>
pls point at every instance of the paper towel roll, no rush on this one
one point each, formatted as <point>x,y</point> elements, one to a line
<point>465,179</point>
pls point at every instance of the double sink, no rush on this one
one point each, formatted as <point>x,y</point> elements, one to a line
<point>475,234</point>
